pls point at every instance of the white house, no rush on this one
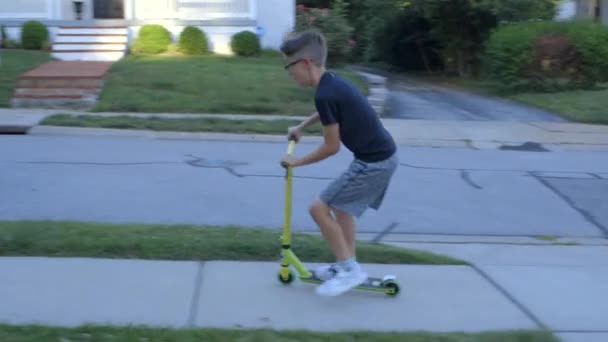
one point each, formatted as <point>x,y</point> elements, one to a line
<point>566,10</point>
<point>102,29</point>
<point>595,9</point>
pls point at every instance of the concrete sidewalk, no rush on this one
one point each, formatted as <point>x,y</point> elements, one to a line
<point>20,121</point>
<point>480,135</point>
<point>560,288</point>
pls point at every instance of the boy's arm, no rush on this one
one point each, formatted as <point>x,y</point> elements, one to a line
<point>330,146</point>
<point>297,131</point>
<point>313,119</point>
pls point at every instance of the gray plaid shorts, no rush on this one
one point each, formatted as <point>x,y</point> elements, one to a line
<point>363,185</point>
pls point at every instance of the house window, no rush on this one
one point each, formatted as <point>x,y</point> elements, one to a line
<point>204,9</point>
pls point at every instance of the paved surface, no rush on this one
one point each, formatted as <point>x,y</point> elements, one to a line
<point>411,99</point>
<point>493,198</point>
<point>69,69</point>
<point>71,292</point>
<point>18,122</point>
<point>494,135</point>
<point>526,287</point>
<point>435,191</point>
<point>543,280</point>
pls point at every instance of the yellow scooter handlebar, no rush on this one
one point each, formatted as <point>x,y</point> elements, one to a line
<point>291,147</point>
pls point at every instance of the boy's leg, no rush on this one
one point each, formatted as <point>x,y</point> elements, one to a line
<point>331,230</point>
<point>362,186</point>
<point>347,273</point>
<point>347,223</point>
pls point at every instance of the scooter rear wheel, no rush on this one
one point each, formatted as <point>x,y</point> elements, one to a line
<point>392,288</point>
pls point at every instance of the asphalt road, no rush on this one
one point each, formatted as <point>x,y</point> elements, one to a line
<point>435,191</point>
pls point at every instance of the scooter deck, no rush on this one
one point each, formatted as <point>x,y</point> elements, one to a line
<point>385,285</point>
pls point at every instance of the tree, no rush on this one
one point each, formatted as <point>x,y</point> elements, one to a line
<point>463,26</point>
<point>520,10</point>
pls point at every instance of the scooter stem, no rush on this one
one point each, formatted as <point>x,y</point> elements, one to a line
<point>286,237</point>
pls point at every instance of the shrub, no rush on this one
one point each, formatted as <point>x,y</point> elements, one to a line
<point>152,39</point>
<point>12,44</point>
<point>548,56</point>
<point>3,37</point>
<point>246,43</point>
<point>334,26</point>
<point>193,41</point>
<point>34,35</point>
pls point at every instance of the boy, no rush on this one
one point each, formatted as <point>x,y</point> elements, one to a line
<point>348,118</point>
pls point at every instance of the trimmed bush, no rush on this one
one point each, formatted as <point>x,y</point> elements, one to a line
<point>193,41</point>
<point>246,43</point>
<point>152,39</point>
<point>548,56</point>
<point>34,35</point>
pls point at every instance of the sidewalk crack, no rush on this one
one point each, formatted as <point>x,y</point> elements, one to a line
<point>196,294</point>
<point>511,298</point>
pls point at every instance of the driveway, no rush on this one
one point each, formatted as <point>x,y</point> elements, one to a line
<point>411,99</point>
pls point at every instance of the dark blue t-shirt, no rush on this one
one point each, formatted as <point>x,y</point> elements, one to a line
<point>361,131</point>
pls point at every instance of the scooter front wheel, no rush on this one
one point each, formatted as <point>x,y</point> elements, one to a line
<point>286,280</point>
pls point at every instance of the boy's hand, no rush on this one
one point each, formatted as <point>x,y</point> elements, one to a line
<point>295,133</point>
<point>289,161</point>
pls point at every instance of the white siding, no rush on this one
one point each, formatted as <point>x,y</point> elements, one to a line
<point>277,18</point>
<point>584,8</point>
<point>566,10</point>
<point>208,9</point>
<point>153,9</point>
<point>26,9</point>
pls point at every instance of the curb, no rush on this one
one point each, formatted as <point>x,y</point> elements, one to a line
<point>163,135</point>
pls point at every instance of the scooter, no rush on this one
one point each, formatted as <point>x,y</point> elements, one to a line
<point>386,284</point>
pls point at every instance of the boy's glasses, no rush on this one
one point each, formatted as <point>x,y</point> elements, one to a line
<point>293,63</point>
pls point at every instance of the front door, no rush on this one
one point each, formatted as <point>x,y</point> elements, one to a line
<point>108,9</point>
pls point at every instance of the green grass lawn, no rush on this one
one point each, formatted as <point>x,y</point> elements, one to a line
<point>179,242</point>
<point>207,84</point>
<point>251,126</point>
<point>14,63</point>
<point>585,106</point>
<point>144,334</point>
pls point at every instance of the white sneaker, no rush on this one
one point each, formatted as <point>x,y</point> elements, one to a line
<point>326,272</point>
<point>342,282</point>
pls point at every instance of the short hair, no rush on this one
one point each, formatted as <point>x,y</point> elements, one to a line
<point>309,44</point>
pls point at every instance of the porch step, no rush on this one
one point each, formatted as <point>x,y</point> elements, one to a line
<point>95,30</point>
<point>58,92</point>
<point>89,46</point>
<point>61,84</point>
<point>88,55</point>
<point>86,43</point>
<point>120,39</point>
